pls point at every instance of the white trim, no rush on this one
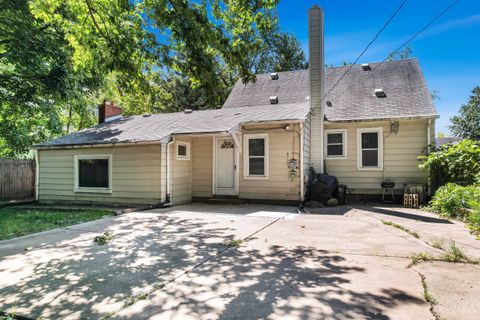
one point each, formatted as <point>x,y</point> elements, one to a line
<point>76,188</point>
<point>187,146</point>
<point>378,130</point>
<point>246,166</point>
<point>344,143</point>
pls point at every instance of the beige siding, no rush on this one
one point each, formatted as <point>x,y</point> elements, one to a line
<point>136,175</point>
<point>181,174</point>
<point>278,186</point>
<point>400,163</point>
<point>202,166</point>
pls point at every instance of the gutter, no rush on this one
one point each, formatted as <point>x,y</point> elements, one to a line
<point>436,116</point>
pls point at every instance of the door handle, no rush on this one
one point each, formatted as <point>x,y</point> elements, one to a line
<point>234,167</point>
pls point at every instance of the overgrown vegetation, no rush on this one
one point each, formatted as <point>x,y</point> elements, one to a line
<point>426,293</point>
<point>103,239</point>
<point>455,171</point>
<point>454,254</point>
<point>234,243</point>
<point>399,226</point>
<point>458,202</point>
<point>454,163</point>
<point>436,243</point>
<point>16,221</point>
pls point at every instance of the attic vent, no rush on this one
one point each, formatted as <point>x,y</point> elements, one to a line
<point>274,76</point>
<point>366,67</point>
<point>187,111</point>
<point>273,99</point>
<point>329,103</point>
<point>379,93</point>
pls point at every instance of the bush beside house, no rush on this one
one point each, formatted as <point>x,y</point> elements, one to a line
<point>455,170</point>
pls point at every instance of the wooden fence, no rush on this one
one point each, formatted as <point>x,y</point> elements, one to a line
<point>17,179</point>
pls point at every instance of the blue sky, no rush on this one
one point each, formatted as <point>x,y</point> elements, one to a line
<point>448,52</point>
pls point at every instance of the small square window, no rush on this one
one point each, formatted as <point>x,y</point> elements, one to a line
<point>183,151</point>
<point>335,144</point>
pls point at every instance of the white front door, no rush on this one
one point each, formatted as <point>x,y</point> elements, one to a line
<point>225,166</point>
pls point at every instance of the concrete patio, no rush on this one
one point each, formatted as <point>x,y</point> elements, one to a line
<point>174,263</point>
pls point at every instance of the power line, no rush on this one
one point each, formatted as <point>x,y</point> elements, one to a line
<point>420,31</point>
<point>366,48</point>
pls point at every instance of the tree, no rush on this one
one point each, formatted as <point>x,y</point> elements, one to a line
<point>36,79</point>
<point>60,57</point>
<point>400,55</point>
<point>467,123</point>
<point>281,52</point>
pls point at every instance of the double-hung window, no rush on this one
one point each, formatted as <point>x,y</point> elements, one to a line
<point>256,156</point>
<point>370,149</point>
<point>335,144</point>
<point>93,173</point>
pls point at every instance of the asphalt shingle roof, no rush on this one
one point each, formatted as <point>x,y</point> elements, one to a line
<point>157,127</point>
<point>353,98</point>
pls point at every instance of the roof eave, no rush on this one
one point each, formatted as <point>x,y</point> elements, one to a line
<point>433,116</point>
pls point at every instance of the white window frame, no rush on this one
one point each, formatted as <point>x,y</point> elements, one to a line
<point>77,188</point>
<point>246,157</point>
<point>185,144</point>
<point>380,148</point>
<point>344,143</point>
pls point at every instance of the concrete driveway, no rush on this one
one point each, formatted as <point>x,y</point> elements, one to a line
<point>174,263</point>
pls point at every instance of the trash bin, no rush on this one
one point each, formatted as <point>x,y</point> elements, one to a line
<point>342,194</point>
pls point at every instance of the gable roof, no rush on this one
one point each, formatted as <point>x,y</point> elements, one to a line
<point>157,127</point>
<point>353,98</point>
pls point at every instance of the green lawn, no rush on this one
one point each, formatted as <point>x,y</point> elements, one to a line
<point>16,221</point>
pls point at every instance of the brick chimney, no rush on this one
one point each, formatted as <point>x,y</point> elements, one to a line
<point>317,83</point>
<point>108,111</point>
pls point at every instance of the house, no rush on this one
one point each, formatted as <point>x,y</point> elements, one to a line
<point>261,145</point>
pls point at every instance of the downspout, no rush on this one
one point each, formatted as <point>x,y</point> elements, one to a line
<point>429,142</point>
<point>302,170</point>
<point>168,196</point>
<point>37,172</point>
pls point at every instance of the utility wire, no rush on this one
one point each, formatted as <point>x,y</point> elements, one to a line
<point>419,32</point>
<point>368,46</point>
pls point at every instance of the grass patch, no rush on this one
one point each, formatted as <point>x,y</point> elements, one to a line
<point>234,243</point>
<point>105,238</point>
<point>426,293</point>
<point>132,300</point>
<point>399,226</point>
<point>454,254</point>
<point>16,221</point>
<point>436,243</point>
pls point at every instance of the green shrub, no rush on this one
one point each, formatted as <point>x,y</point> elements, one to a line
<point>458,202</point>
<point>456,163</point>
<point>451,200</point>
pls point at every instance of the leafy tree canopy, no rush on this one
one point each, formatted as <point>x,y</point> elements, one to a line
<point>59,58</point>
<point>467,123</point>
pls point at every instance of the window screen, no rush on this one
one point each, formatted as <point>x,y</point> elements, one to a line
<point>93,173</point>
